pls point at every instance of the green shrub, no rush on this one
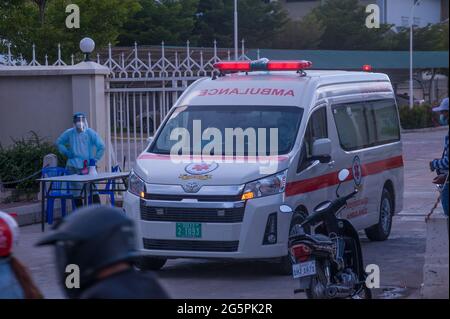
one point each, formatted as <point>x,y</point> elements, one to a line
<point>420,116</point>
<point>23,158</point>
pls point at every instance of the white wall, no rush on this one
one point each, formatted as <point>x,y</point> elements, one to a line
<point>398,12</point>
<point>44,98</point>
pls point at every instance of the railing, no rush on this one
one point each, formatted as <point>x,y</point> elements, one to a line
<point>145,62</point>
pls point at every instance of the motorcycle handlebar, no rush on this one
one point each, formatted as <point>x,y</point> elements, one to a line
<point>351,194</point>
<point>337,204</point>
<point>341,201</point>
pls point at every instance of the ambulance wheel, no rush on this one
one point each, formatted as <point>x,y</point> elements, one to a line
<point>286,262</point>
<point>150,263</point>
<point>382,230</point>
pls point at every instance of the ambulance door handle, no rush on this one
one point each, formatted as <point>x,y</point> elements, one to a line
<point>331,164</point>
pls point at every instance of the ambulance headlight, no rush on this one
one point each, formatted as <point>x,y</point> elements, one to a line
<point>266,186</point>
<point>136,185</point>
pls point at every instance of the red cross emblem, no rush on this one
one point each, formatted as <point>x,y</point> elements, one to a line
<point>200,167</point>
<point>356,170</point>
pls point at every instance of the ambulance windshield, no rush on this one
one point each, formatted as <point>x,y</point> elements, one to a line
<point>229,130</point>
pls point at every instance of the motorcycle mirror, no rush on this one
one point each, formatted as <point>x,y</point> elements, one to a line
<point>286,209</point>
<point>343,174</point>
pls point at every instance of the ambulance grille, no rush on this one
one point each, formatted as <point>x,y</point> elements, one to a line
<point>200,198</point>
<point>199,215</point>
<point>190,245</point>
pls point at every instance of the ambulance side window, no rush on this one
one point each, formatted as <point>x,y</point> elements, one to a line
<point>366,124</point>
<point>317,128</point>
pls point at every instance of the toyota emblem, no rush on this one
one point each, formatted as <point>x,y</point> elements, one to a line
<point>191,187</point>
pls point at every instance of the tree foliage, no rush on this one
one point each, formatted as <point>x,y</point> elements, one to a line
<point>166,20</point>
<point>300,34</point>
<point>429,38</point>
<point>43,23</point>
<point>345,29</point>
<point>259,22</point>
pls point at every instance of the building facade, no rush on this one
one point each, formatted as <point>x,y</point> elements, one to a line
<point>396,12</point>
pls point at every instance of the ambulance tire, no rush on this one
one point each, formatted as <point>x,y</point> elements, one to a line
<point>150,263</point>
<point>285,264</point>
<point>382,230</point>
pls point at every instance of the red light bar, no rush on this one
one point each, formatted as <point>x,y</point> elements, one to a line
<point>367,68</point>
<point>261,65</point>
<point>233,66</point>
<point>288,65</point>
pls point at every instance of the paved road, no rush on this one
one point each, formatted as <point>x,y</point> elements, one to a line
<point>400,258</point>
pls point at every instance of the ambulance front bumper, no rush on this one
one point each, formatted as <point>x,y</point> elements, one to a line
<point>229,229</point>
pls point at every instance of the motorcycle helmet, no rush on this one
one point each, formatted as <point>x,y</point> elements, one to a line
<point>9,234</point>
<point>92,238</point>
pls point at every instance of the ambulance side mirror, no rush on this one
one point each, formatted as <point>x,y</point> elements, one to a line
<point>321,150</point>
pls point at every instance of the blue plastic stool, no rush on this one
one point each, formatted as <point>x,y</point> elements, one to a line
<point>63,195</point>
<point>110,186</point>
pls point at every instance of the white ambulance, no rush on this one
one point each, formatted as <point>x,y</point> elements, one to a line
<point>208,187</point>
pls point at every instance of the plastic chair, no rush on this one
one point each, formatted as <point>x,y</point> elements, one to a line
<point>56,194</point>
<point>110,186</point>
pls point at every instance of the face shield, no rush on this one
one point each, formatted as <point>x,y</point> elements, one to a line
<point>80,123</point>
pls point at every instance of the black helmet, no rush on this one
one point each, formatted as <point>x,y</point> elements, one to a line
<point>92,238</point>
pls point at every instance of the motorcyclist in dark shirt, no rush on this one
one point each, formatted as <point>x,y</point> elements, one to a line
<point>99,243</point>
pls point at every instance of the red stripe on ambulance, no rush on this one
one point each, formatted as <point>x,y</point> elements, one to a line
<point>327,180</point>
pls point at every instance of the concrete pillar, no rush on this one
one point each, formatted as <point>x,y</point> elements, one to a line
<point>89,96</point>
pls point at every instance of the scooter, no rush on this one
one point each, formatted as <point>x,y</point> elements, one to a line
<point>329,263</point>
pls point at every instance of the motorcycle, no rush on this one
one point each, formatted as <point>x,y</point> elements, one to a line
<point>329,263</point>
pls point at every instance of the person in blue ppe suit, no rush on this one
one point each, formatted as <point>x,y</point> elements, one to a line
<point>78,144</point>
<point>441,165</point>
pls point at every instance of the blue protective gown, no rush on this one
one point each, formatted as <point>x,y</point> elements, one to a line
<point>78,147</point>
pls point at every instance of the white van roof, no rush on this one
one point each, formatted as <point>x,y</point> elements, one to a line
<point>277,87</point>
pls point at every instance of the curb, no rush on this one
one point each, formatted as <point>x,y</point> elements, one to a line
<point>426,129</point>
<point>435,270</point>
<point>31,214</point>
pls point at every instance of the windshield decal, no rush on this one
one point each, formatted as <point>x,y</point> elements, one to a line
<point>200,168</point>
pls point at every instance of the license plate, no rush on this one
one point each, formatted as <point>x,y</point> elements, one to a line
<point>304,269</point>
<point>189,230</point>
